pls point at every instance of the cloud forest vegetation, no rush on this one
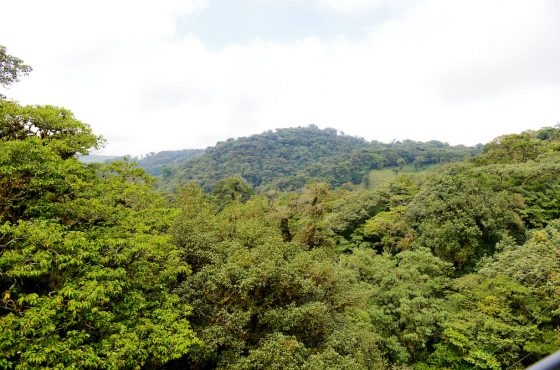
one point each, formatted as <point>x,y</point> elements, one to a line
<point>276,251</point>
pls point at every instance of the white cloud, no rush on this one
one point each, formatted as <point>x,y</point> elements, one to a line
<point>350,5</point>
<point>360,7</point>
<point>354,7</point>
<point>462,72</point>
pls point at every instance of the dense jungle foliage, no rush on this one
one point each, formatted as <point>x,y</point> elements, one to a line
<point>287,159</point>
<point>457,267</point>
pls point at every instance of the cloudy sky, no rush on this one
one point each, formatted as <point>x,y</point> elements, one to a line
<point>174,74</point>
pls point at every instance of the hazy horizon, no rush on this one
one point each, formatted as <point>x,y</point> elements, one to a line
<point>104,153</point>
<point>181,74</point>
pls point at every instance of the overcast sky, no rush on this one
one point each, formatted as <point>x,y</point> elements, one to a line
<point>175,74</point>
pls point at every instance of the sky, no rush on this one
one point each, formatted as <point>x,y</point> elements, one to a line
<point>177,74</point>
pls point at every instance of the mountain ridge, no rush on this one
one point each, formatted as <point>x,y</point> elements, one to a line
<point>288,158</point>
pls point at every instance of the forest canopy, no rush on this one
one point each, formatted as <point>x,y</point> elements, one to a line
<point>450,266</point>
<point>288,159</point>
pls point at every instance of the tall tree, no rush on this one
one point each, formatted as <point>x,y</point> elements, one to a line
<point>87,273</point>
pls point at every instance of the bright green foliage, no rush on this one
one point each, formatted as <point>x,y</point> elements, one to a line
<point>493,324</point>
<point>69,299</point>
<point>520,148</point>
<point>261,302</point>
<point>535,264</point>
<point>454,267</point>
<point>34,180</point>
<point>390,230</point>
<point>407,292</point>
<point>55,127</point>
<point>86,269</point>
<point>512,149</point>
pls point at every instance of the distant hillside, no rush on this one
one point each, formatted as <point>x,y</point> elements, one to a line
<point>287,159</point>
<point>154,163</point>
<point>161,162</point>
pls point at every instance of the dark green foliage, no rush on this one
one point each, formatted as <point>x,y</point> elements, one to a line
<point>288,159</point>
<point>536,182</point>
<point>509,313</point>
<point>350,210</point>
<point>232,189</point>
<point>461,218</point>
<point>261,302</point>
<point>252,261</point>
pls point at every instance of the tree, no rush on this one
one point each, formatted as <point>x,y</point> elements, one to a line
<point>11,69</point>
<point>407,293</point>
<point>515,148</point>
<point>389,230</point>
<point>508,313</point>
<point>307,216</point>
<point>79,246</point>
<point>232,189</point>
<point>493,323</point>
<point>461,218</point>
<point>260,302</point>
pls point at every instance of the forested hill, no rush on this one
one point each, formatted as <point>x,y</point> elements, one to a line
<point>287,159</point>
<point>154,163</point>
<point>457,268</point>
<point>161,162</point>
